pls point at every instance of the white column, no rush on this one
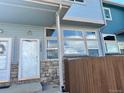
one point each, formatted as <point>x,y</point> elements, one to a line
<point>60,54</point>
<point>101,43</point>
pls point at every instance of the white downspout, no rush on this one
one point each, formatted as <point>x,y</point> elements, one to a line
<point>60,51</point>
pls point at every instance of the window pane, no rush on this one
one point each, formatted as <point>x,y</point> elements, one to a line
<point>90,35</point>
<point>107,13</point>
<point>122,51</point>
<point>72,34</point>
<point>52,54</point>
<point>93,52</point>
<point>112,47</point>
<point>51,33</point>
<point>92,44</point>
<point>72,47</point>
<point>52,44</point>
<point>121,47</point>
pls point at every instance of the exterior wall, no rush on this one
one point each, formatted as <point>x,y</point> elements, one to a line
<point>16,31</point>
<point>49,70</point>
<point>120,37</point>
<point>90,11</point>
<point>117,22</point>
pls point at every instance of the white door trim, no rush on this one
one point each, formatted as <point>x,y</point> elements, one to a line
<point>20,60</point>
<point>9,58</point>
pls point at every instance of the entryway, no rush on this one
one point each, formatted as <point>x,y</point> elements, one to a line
<point>29,60</point>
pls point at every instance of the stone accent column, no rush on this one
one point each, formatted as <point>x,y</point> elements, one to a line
<point>50,72</point>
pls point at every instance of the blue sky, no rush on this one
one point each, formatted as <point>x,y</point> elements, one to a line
<point>120,1</point>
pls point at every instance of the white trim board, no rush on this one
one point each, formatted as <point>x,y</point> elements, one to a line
<point>80,19</point>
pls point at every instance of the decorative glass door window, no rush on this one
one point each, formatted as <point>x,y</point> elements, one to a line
<point>3,54</point>
<point>29,59</point>
<point>5,59</point>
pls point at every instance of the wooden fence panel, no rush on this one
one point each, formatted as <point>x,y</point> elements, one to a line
<point>95,75</point>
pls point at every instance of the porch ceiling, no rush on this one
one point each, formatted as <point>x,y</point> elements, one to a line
<point>22,12</point>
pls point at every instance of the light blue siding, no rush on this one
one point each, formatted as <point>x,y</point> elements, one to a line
<point>91,10</point>
<point>117,22</point>
<point>120,38</point>
<point>16,32</point>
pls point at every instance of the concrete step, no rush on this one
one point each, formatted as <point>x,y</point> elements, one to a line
<point>52,89</point>
<point>23,88</point>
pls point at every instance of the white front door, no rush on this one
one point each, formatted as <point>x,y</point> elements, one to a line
<point>5,59</point>
<point>29,63</point>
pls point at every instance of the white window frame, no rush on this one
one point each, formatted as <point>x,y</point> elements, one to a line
<point>46,48</point>
<point>20,60</point>
<point>105,8</point>
<point>110,42</point>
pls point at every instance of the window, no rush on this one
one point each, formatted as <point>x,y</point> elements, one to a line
<point>107,13</point>
<point>51,44</point>
<point>77,43</point>
<point>74,43</point>
<point>92,44</point>
<point>121,47</point>
<point>111,45</point>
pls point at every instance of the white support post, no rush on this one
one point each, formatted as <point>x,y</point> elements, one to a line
<point>101,43</point>
<point>60,54</point>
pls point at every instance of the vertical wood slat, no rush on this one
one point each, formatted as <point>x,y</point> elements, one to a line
<point>95,75</point>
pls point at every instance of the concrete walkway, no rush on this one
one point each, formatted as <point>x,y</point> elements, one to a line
<point>23,88</point>
<point>30,88</point>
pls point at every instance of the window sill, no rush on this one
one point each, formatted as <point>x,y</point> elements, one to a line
<point>108,19</point>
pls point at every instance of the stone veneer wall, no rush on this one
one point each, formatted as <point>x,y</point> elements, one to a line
<point>49,73</point>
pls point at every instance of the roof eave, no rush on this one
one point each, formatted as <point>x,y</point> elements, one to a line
<point>113,3</point>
